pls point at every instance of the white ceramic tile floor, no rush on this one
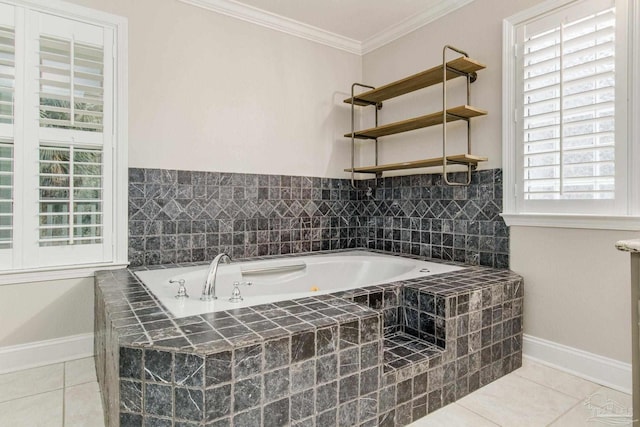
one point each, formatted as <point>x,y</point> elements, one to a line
<point>67,395</point>
<point>62,394</point>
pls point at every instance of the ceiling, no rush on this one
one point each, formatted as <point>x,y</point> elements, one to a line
<point>356,19</point>
<point>356,26</point>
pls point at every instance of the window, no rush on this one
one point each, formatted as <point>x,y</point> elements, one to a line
<point>62,138</point>
<point>568,155</point>
<point>7,83</point>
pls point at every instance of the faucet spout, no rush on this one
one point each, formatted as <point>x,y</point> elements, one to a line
<point>209,287</point>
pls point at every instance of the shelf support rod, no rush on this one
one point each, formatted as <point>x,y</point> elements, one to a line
<point>445,69</point>
<point>353,131</point>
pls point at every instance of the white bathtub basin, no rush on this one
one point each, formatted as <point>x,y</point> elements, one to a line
<point>313,275</point>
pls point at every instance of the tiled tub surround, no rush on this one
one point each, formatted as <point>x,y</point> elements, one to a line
<point>185,216</point>
<point>420,215</point>
<point>320,361</point>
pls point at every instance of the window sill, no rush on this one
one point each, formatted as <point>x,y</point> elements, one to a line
<point>55,273</point>
<point>591,222</point>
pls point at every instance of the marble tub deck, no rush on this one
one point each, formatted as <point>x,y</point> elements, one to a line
<point>382,355</point>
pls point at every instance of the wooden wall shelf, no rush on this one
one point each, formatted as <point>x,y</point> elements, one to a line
<point>462,66</point>
<point>453,114</point>
<point>461,159</point>
<point>417,81</point>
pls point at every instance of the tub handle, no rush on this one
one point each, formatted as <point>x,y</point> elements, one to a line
<point>182,290</point>
<point>272,270</point>
<point>235,293</point>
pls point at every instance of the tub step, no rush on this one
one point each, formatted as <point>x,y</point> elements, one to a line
<point>401,350</point>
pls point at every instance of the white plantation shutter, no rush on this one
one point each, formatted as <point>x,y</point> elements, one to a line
<point>568,107</point>
<point>58,109</point>
<point>74,132</point>
<point>71,84</point>
<point>71,188</point>
<point>7,95</point>
<point>6,195</point>
<point>571,99</point>
<point>7,73</point>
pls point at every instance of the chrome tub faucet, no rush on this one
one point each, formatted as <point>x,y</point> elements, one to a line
<point>209,287</point>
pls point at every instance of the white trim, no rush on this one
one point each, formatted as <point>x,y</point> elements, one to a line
<point>536,10</point>
<point>629,219</point>
<point>593,367</point>
<point>402,28</point>
<point>508,114</point>
<point>41,353</point>
<point>597,222</point>
<point>279,23</point>
<point>115,245</point>
<point>59,273</point>
<point>633,85</point>
<point>71,10</point>
<point>296,28</point>
<point>121,148</point>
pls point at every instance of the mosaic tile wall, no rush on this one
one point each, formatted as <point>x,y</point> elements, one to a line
<point>184,216</point>
<point>419,215</point>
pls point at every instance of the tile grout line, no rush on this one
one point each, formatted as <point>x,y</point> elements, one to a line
<point>33,394</point>
<point>82,383</point>
<point>580,399</point>
<point>564,413</point>
<point>477,414</point>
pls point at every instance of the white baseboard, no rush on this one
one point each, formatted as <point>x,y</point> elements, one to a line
<point>40,353</point>
<point>598,369</point>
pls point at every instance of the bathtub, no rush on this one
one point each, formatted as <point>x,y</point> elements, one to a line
<point>283,279</point>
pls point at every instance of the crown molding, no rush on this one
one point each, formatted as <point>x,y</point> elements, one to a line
<point>295,28</point>
<point>279,23</point>
<point>436,11</point>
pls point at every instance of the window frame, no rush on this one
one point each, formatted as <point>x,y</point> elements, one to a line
<point>626,217</point>
<point>117,182</point>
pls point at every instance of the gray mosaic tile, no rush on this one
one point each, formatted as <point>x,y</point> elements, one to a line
<point>348,388</point>
<point>277,353</point>
<point>189,404</point>
<point>327,418</point>
<point>130,420</point>
<point>302,375</point>
<point>158,400</point>
<point>251,418</point>
<point>348,414</point>
<point>327,368</point>
<point>189,370</point>
<point>217,402</point>
<point>150,421</point>
<point>302,404</point>
<point>218,368</point>
<point>276,384</point>
<point>247,393</point>
<point>130,396</point>
<point>248,361</point>
<point>130,363</point>
<point>302,346</point>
